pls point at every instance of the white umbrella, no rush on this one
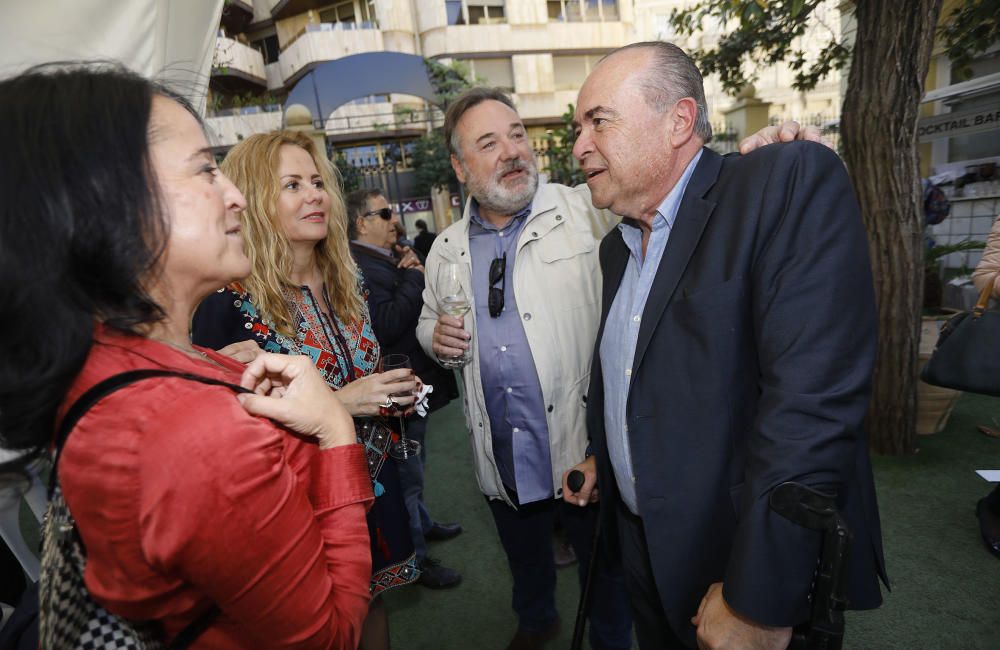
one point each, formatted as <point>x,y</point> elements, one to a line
<point>169,40</point>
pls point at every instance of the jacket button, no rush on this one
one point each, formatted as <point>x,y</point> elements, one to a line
<point>558,217</point>
<point>550,408</point>
<point>534,234</point>
<point>527,316</point>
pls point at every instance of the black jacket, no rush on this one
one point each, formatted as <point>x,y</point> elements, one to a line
<point>395,298</point>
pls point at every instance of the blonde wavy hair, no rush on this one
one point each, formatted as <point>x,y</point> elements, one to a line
<point>253,166</point>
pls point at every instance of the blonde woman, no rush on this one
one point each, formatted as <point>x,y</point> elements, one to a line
<point>303,297</point>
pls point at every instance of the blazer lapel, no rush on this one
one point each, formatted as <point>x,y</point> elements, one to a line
<point>692,217</point>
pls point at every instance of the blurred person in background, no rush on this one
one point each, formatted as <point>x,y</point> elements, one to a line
<point>393,286</point>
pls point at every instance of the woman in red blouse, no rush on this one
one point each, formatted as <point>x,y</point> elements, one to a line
<point>114,224</point>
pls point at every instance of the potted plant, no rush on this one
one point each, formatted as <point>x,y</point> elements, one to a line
<point>934,403</point>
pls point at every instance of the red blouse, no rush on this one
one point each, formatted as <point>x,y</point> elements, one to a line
<point>183,499</point>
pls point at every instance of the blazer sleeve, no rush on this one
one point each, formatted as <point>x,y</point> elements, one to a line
<point>430,310</point>
<point>394,306</point>
<point>285,556</point>
<point>814,321</point>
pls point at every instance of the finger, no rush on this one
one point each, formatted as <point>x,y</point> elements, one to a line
<point>453,321</point>
<point>443,351</point>
<point>448,333</point>
<point>788,130</point>
<point>395,376</point>
<point>268,364</point>
<point>752,142</point>
<point>262,406</point>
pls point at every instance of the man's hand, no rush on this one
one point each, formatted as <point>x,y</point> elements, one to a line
<point>408,259</point>
<point>788,131</point>
<point>588,493</point>
<point>450,338</point>
<point>720,628</point>
<point>242,351</point>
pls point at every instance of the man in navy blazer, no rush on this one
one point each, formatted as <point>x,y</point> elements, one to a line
<point>736,349</point>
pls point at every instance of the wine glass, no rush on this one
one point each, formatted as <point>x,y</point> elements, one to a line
<point>404,448</point>
<point>454,302</point>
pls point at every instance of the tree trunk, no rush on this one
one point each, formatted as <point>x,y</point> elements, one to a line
<point>879,118</point>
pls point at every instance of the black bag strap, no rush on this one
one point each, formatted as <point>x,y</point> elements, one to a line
<point>102,389</point>
<point>95,394</point>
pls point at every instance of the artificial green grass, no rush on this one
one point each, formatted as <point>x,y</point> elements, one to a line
<point>945,585</point>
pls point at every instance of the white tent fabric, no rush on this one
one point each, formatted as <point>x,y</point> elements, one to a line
<point>170,40</point>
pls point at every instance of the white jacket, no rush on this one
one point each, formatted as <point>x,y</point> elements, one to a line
<point>557,282</point>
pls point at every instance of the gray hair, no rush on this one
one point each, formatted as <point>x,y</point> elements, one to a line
<point>357,204</point>
<point>672,76</point>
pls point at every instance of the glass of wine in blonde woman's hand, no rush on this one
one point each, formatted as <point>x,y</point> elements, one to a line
<point>404,448</point>
<point>454,302</point>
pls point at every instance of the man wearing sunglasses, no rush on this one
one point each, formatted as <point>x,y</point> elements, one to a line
<point>530,254</point>
<point>394,281</point>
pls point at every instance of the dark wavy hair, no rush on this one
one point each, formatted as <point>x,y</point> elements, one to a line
<point>80,227</point>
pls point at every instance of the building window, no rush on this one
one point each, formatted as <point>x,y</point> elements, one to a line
<point>475,12</point>
<point>570,71</point>
<point>493,72</point>
<point>360,13</point>
<point>268,47</point>
<point>576,11</point>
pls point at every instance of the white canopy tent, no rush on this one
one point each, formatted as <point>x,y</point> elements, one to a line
<point>170,40</point>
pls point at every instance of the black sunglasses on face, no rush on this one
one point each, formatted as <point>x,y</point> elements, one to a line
<point>498,269</point>
<point>385,213</point>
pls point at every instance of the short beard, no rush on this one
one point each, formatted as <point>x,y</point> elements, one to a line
<point>493,196</point>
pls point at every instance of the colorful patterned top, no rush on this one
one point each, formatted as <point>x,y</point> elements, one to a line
<point>342,352</point>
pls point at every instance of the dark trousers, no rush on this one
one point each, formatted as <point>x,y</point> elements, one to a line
<point>411,479</point>
<point>526,534</point>
<point>652,629</point>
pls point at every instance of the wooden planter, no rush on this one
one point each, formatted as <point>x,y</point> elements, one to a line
<point>934,403</point>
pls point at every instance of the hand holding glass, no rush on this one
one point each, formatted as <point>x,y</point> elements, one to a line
<point>404,448</point>
<point>454,302</point>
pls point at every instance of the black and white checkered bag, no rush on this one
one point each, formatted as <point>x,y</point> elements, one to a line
<point>68,617</point>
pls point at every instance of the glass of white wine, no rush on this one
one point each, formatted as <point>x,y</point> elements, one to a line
<point>454,302</point>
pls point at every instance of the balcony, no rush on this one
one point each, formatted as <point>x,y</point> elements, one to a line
<point>450,40</point>
<point>326,42</point>
<point>237,68</point>
<point>236,15</point>
<point>229,126</point>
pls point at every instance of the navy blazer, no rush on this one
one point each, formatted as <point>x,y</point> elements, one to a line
<point>753,367</point>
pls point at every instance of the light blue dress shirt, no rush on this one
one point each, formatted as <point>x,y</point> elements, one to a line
<point>511,387</point>
<point>621,331</point>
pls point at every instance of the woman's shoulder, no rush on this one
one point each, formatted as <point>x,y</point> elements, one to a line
<point>226,316</point>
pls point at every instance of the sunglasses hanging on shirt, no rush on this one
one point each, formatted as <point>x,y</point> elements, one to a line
<point>498,269</point>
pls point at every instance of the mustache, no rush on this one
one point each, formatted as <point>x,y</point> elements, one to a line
<point>512,166</point>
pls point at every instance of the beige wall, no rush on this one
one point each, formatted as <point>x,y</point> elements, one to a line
<point>327,46</point>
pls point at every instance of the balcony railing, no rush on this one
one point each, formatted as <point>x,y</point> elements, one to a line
<point>233,57</point>
<point>327,42</point>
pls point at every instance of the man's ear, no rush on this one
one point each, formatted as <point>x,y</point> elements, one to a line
<point>682,125</point>
<point>457,166</point>
<point>360,226</point>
